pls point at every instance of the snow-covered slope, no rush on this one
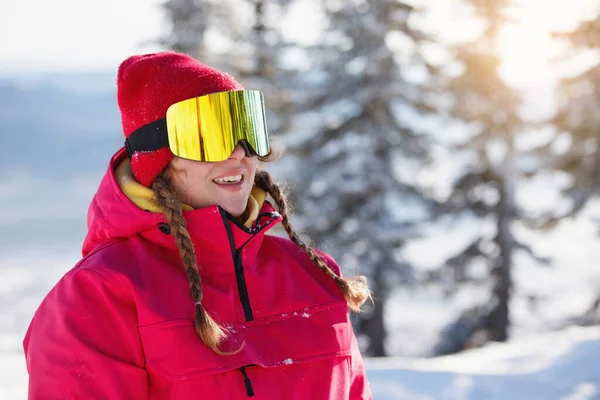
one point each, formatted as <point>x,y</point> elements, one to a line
<point>554,366</point>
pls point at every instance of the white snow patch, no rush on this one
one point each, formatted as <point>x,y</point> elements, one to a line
<point>25,279</point>
<point>556,366</point>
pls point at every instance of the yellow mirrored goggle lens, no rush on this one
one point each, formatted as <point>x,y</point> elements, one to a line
<point>208,128</point>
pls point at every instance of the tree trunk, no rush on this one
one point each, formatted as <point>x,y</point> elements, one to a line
<point>259,29</point>
<point>499,317</point>
<point>375,326</point>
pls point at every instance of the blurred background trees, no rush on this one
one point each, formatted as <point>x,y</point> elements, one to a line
<point>577,120</point>
<point>497,167</point>
<point>578,111</point>
<point>392,131</point>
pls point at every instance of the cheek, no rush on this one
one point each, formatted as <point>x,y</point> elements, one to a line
<point>192,180</point>
<point>178,180</point>
<point>199,174</point>
<point>252,176</point>
<point>252,165</point>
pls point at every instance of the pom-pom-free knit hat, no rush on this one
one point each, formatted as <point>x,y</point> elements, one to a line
<point>147,85</point>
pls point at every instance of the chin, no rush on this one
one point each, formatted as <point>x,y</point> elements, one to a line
<point>236,210</point>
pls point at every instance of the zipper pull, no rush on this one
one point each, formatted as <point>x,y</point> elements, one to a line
<point>249,389</point>
<point>237,261</point>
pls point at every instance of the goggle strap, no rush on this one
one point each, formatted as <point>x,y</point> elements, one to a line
<point>152,136</point>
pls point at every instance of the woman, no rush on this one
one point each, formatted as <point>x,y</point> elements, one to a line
<point>180,211</point>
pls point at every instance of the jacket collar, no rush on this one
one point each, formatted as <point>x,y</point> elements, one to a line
<point>216,234</point>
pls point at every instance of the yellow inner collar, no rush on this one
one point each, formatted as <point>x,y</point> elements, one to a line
<point>145,198</point>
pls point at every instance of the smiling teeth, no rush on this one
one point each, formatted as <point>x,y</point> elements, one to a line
<point>229,179</point>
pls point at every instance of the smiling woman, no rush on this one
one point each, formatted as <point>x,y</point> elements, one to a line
<point>180,290</point>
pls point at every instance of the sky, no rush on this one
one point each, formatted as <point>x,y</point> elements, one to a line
<point>72,35</point>
<point>93,34</point>
<point>526,45</point>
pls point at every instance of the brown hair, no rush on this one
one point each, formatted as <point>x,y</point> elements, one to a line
<point>209,331</point>
<point>355,289</point>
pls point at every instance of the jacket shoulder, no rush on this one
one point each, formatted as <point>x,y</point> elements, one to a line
<point>94,269</point>
<point>291,248</point>
<point>118,261</point>
<point>117,255</point>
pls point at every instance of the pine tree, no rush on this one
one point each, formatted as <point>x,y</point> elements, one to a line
<point>578,116</point>
<point>487,190</point>
<point>353,132</point>
<point>189,21</point>
<point>578,121</point>
<point>241,37</point>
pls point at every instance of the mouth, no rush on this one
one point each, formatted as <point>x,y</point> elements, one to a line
<point>232,182</point>
<point>229,180</point>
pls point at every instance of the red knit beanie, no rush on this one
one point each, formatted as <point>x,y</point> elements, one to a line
<point>148,84</point>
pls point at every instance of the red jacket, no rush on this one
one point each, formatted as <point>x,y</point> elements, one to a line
<point>119,325</point>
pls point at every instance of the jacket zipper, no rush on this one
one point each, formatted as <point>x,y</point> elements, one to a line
<point>239,269</point>
<point>241,284</point>
<point>249,389</point>
<point>242,288</point>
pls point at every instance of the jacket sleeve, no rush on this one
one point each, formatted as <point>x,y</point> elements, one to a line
<point>359,387</point>
<point>83,342</point>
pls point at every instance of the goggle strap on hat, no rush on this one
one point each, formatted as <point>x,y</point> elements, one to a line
<point>150,137</point>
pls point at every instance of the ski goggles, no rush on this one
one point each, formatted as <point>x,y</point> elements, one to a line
<point>208,128</point>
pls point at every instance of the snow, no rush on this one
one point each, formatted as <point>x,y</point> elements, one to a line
<point>25,278</point>
<point>559,365</point>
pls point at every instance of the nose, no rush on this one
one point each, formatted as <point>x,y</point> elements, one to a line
<point>238,152</point>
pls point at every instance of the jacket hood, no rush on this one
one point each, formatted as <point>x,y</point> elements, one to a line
<point>122,208</point>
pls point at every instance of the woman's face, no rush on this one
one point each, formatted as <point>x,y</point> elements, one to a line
<point>226,184</point>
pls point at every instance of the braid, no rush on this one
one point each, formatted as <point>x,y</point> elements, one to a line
<point>209,331</point>
<point>355,289</point>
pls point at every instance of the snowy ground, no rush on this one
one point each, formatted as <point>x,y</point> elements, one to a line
<point>561,365</point>
<point>555,366</point>
<point>25,278</point>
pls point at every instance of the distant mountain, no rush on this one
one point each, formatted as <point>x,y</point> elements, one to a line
<point>87,82</point>
<point>57,134</point>
<point>50,130</point>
